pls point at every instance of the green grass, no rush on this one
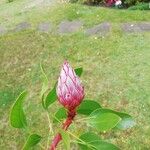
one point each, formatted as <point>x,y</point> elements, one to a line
<point>116,68</point>
<point>90,15</point>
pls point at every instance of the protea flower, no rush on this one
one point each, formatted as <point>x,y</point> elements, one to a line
<point>70,91</point>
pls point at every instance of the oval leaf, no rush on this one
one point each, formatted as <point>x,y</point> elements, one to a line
<point>32,140</point>
<point>78,71</point>
<point>87,107</point>
<point>125,122</point>
<point>89,137</point>
<point>51,97</point>
<point>93,142</point>
<point>60,114</point>
<point>66,139</point>
<point>103,121</point>
<point>17,116</point>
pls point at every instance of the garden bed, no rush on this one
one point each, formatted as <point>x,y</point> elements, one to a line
<point>121,4</point>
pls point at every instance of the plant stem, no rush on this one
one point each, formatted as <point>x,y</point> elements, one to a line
<point>67,123</point>
<point>50,129</point>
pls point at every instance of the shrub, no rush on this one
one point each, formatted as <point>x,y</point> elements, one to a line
<point>140,6</point>
<point>133,2</point>
<point>126,3</point>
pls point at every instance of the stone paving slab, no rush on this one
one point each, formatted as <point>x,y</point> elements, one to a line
<point>2,30</point>
<point>22,26</point>
<point>69,26</point>
<point>136,27</point>
<point>45,27</point>
<point>100,29</point>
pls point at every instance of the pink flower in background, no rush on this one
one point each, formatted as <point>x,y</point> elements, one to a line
<point>70,91</point>
<point>113,2</point>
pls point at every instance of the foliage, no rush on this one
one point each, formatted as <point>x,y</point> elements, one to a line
<point>17,116</point>
<point>97,117</point>
<point>93,141</point>
<point>32,141</point>
<point>140,6</point>
<point>133,2</point>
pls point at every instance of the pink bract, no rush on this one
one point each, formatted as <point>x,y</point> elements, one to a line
<point>70,91</point>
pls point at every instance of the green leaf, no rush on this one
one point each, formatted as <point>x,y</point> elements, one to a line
<point>79,71</point>
<point>66,139</point>
<point>89,137</point>
<point>32,140</point>
<point>87,107</point>
<point>44,81</point>
<point>60,114</point>
<point>51,97</point>
<point>126,120</point>
<point>17,116</point>
<point>92,141</point>
<point>103,121</point>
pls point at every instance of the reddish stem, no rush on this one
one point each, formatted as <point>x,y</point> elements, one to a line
<point>67,123</point>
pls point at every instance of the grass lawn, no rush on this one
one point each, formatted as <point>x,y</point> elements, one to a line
<point>116,68</point>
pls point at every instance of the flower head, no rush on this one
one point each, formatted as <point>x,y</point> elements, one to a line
<point>70,92</point>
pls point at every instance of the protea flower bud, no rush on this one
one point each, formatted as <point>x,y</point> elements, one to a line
<point>70,92</point>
